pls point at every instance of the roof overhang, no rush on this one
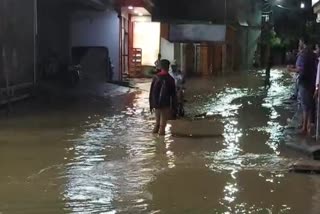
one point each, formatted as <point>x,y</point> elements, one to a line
<point>197,33</point>
<point>94,4</point>
<point>316,7</point>
<point>97,4</point>
<point>147,4</point>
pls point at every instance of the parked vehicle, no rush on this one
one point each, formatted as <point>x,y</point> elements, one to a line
<point>73,75</point>
<point>62,73</point>
<point>180,104</point>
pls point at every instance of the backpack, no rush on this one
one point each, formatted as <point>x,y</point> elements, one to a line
<point>161,95</point>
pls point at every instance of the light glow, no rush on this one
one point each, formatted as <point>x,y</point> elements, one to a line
<point>314,2</point>
<point>147,37</point>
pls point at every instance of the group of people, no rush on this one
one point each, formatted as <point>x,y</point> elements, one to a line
<point>307,69</point>
<point>165,93</point>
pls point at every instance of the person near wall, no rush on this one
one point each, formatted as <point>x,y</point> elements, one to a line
<point>162,97</point>
<point>177,75</point>
<point>110,69</point>
<point>157,63</point>
<point>316,93</point>
<point>267,81</point>
<point>296,69</point>
<point>306,84</point>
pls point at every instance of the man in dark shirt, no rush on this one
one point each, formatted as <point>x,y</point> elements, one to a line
<point>306,82</point>
<point>162,97</point>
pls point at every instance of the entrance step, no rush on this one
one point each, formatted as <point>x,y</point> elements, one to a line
<point>310,150</point>
<point>306,166</point>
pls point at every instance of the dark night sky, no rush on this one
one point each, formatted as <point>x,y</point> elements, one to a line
<point>209,10</point>
<point>290,24</point>
<point>205,10</point>
<point>287,22</point>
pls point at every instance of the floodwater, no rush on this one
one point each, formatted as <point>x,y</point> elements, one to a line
<point>99,156</point>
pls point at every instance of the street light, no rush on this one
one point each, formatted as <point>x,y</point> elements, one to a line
<point>269,4</point>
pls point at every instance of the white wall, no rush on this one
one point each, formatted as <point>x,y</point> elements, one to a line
<point>91,28</point>
<point>167,50</point>
<point>146,36</point>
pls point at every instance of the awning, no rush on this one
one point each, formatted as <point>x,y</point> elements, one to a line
<point>197,33</point>
<point>95,4</point>
<point>314,2</point>
<point>316,7</point>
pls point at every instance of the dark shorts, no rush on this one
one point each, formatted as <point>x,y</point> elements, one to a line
<point>306,97</point>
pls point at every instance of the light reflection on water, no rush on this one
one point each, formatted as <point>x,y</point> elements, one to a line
<point>113,164</point>
<point>232,157</point>
<point>110,164</point>
<point>100,180</point>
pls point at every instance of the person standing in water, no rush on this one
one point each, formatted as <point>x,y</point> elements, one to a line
<point>268,71</point>
<point>162,97</point>
<point>177,75</point>
<point>307,83</point>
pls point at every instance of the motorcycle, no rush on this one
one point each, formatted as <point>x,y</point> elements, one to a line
<point>61,72</point>
<point>74,72</point>
<point>180,104</point>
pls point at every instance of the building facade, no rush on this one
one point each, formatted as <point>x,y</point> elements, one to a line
<point>17,48</point>
<point>316,8</point>
<point>129,33</point>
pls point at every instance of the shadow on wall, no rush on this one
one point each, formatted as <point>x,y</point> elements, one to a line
<point>95,62</point>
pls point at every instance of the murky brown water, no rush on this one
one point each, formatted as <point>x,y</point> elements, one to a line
<point>88,158</point>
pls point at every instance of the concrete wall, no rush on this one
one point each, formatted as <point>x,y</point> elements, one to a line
<point>167,49</point>
<point>53,29</point>
<point>146,35</point>
<point>248,43</point>
<point>93,28</point>
<point>254,35</point>
<point>249,12</point>
<point>17,35</point>
<point>180,55</point>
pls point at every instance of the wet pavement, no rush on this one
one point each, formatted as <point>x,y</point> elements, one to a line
<point>99,156</point>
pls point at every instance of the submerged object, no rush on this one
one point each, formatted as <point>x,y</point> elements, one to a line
<point>197,128</point>
<point>306,166</point>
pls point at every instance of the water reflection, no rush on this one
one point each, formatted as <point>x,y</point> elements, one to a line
<point>276,96</point>
<point>109,162</point>
<point>109,172</point>
<point>109,165</point>
<point>89,185</point>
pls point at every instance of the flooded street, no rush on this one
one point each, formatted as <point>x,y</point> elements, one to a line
<point>101,157</point>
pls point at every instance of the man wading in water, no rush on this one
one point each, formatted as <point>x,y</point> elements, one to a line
<point>162,97</point>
